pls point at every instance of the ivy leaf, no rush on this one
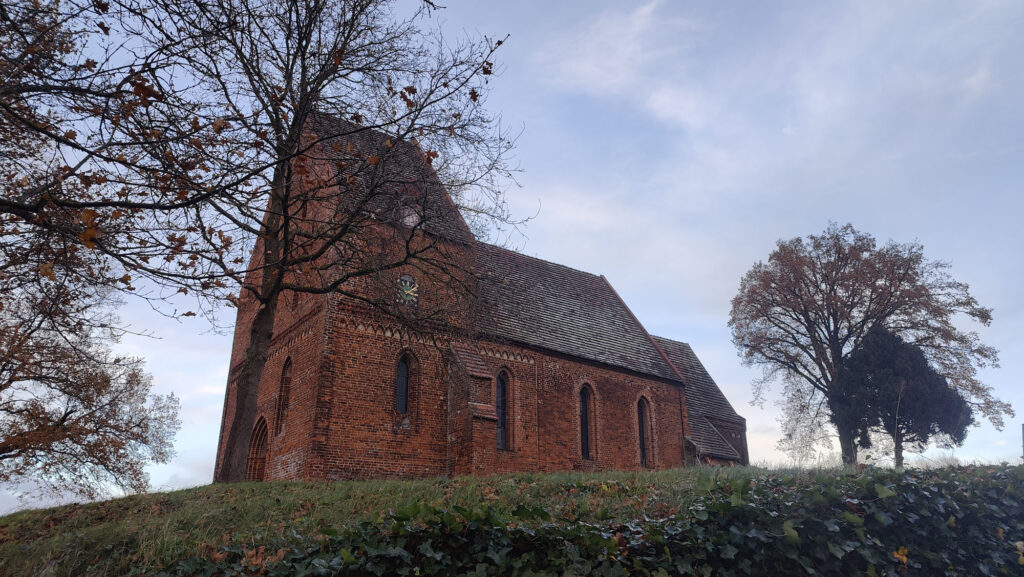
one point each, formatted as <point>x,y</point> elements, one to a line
<point>853,519</point>
<point>407,513</point>
<point>790,532</point>
<point>836,551</point>
<point>883,491</point>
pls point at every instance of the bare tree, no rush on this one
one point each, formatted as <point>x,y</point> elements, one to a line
<point>799,315</point>
<point>74,176</point>
<point>174,138</point>
<point>338,122</point>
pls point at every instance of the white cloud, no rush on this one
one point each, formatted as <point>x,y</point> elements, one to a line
<point>679,105</point>
<point>606,55</point>
<point>979,83</point>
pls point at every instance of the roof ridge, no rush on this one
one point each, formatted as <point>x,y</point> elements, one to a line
<point>670,340</point>
<point>538,259</point>
<point>664,357</point>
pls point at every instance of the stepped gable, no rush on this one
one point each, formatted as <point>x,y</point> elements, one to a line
<point>400,182</point>
<point>704,399</point>
<point>554,307</point>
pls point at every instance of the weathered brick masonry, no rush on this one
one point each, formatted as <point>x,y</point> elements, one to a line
<point>555,365</point>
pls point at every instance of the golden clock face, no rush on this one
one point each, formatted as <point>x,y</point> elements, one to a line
<point>408,291</point>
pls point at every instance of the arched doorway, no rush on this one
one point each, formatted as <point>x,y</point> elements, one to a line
<point>256,468</point>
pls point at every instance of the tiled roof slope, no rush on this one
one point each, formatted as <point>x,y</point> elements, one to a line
<point>401,179</point>
<point>543,304</point>
<point>701,389</point>
<point>703,399</point>
<point>709,441</point>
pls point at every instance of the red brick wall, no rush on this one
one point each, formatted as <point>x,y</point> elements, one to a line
<point>341,421</point>
<point>545,426</point>
<point>364,436</point>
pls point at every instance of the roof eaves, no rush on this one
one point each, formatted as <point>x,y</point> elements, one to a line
<point>736,453</point>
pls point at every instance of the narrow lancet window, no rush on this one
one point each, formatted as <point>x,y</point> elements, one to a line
<point>585,423</point>
<point>501,408</point>
<point>283,397</point>
<point>644,431</point>
<point>402,386</point>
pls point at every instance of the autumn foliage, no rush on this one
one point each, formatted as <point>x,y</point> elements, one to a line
<point>73,416</point>
<point>799,315</point>
<point>161,142</point>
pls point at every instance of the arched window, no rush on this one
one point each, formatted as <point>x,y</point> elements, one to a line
<point>256,467</point>
<point>283,397</point>
<point>586,421</point>
<point>402,386</point>
<point>501,408</point>
<point>643,416</point>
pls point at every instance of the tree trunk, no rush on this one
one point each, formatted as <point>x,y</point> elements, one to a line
<point>236,449</point>
<point>848,446</point>
<point>897,440</point>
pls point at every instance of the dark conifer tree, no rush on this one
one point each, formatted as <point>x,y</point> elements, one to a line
<point>888,384</point>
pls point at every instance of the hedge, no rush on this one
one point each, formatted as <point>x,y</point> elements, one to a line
<point>957,522</point>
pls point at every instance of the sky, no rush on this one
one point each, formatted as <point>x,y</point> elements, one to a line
<point>668,145</point>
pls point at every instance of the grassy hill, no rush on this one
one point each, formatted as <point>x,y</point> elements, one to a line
<point>682,520</point>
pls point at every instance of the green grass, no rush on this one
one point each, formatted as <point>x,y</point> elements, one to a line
<point>143,533</point>
<point>149,531</point>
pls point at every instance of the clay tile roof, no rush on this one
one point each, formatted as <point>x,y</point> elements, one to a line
<point>709,441</point>
<point>702,394</point>
<point>703,399</point>
<point>402,178</point>
<point>547,305</point>
<point>470,360</point>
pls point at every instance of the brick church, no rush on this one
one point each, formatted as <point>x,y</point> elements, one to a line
<point>542,368</point>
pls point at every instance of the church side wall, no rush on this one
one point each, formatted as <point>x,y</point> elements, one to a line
<point>341,421</point>
<point>545,415</point>
<point>364,434</point>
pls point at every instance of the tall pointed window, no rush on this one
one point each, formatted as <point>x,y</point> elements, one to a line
<point>501,408</point>
<point>586,418</point>
<point>402,386</point>
<point>283,397</point>
<point>256,466</point>
<point>643,415</point>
